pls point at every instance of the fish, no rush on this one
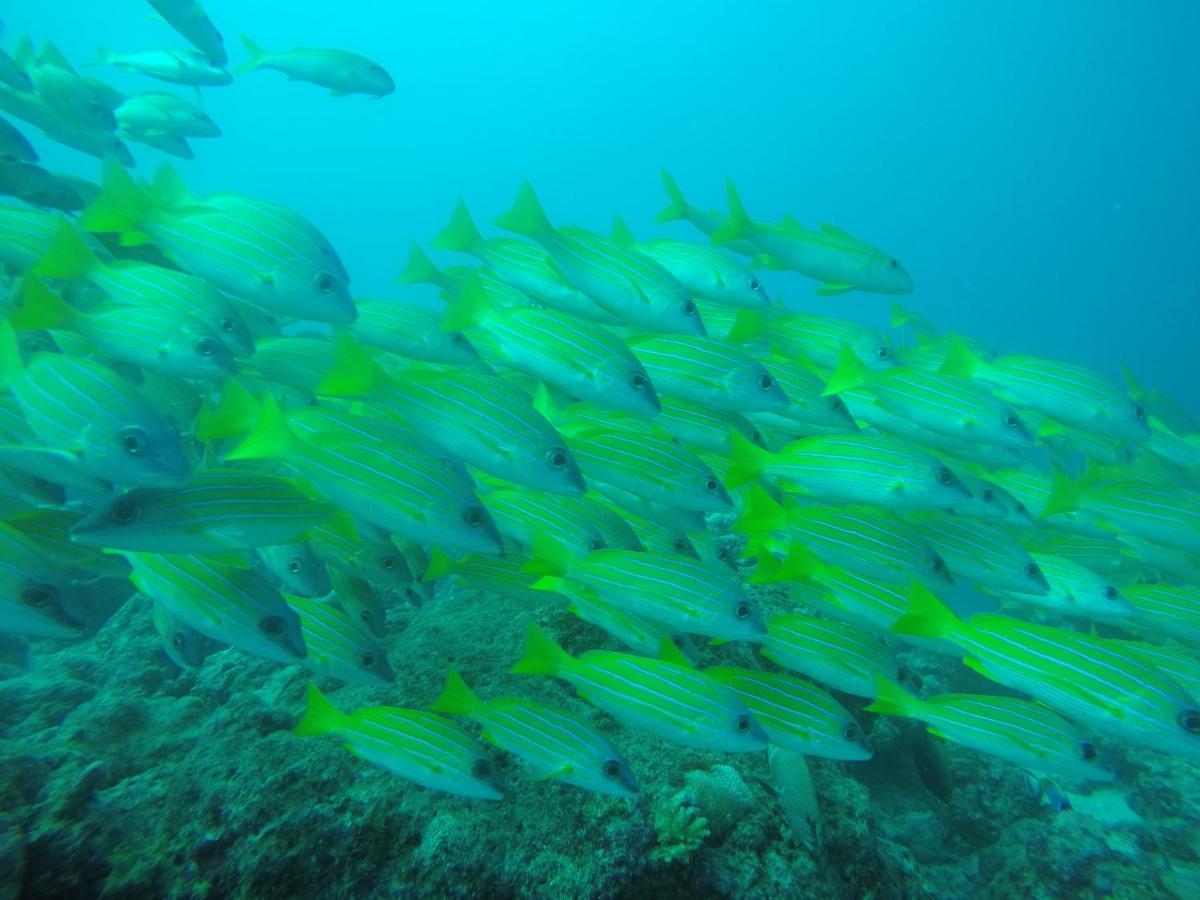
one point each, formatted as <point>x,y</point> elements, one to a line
<point>1168,609</point>
<point>14,145</point>
<point>809,410</point>
<point>707,221</point>
<point>829,651</point>
<point>1075,590</point>
<point>35,598</point>
<point>421,747</point>
<point>82,407</point>
<point>666,698</point>
<point>228,603</point>
<point>578,356</point>
<point>159,112</point>
<point>710,372</point>
<point>832,256</point>
<point>88,103</point>
<point>638,634</point>
<point>294,569</point>
<point>359,601</point>
<point>341,71</point>
<point>859,468</point>
<point>400,489</point>
<point>977,551</point>
<point>791,783</point>
<point>707,272</point>
<point>523,265</point>
<point>140,284</point>
<point>817,339</point>
<point>31,108</point>
<point>339,645</point>
<point>654,469</point>
<point>552,743</point>
<point>160,339</point>
<point>953,406</point>
<point>214,511</point>
<point>170,144</point>
<point>631,287</point>
<point>797,715</point>
<point>176,66</point>
<point>1066,392</point>
<point>522,515</point>
<point>260,252</point>
<point>1095,681</point>
<point>183,644</point>
<point>1024,733</point>
<point>411,331</point>
<point>699,427</point>
<point>191,21</point>
<point>675,591</point>
<point>342,544</point>
<point>38,187</point>
<point>864,539</point>
<point>1157,512</point>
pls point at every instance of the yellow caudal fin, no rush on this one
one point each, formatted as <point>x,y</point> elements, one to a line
<point>456,698</point>
<point>893,700</point>
<point>850,373</point>
<point>526,216</point>
<point>542,655</point>
<point>927,616</point>
<point>321,717</point>
<point>460,235</point>
<point>747,461</point>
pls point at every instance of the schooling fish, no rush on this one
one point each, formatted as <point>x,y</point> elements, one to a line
<point>338,645</point>
<point>552,743</point>
<point>190,20</point>
<point>176,66</point>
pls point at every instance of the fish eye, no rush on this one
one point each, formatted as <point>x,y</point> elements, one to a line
<point>894,263</point>
<point>1189,720</point>
<point>1021,510</point>
<point>456,337</point>
<point>680,545</point>
<point>945,477</point>
<point>206,347</point>
<point>325,283</point>
<point>365,616</point>
<point>367,660</point>
<point>39,595</point>
<point>882,353</point>
<point>753,284</point>
<point>836,404</point>
<point>939,564</point>
<point>742,610</point>
<point>724,554</point>
<point>294,566</point>
<point>134,441</point>
<point>1111,593</point>
<point>986,495</point>
<point>227,324</point>
<point>766,382</point>
<point>1140,413</point>
<point>474,516</point>
<point>1087,750</point>
<point>689,308</point>
<point>177,641</point>
<point>743,724</point>
<point>711,483</point>
<point>272,626</point>
<point>638,381</point>
<point>611,769</point>
<point>596,544</point>
<point>387,563</point>
<point>557,457</point>
<point>124,510</point>
<point>850,731</point>
<point>482,768</point>
<point>1032,570</point>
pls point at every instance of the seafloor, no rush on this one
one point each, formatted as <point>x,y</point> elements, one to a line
<point>122,776</point>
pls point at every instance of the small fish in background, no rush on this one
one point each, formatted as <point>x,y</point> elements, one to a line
<point>31,108</point>
<point>419,746</point>
<point>929,760</point>
<point>183,644</point>
<point>37,187</point>
<point>176,66</point>
<point>339,70</point>
<point>189,19</point>
<point>1047,792</point>
<point>295,568</point>
<point>14,146</point>
<point>792,785</point>
<point>338,645</point>
<point>85,102</point>
<point>157,112</point>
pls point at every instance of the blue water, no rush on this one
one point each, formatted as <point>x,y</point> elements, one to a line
<point>1031,163</point>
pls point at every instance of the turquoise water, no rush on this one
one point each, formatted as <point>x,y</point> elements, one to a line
<point>1033,167</point>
